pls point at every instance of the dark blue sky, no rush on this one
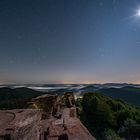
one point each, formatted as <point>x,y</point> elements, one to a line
<point>69,41</point>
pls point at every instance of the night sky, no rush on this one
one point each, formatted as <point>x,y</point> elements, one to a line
<point>69,41</point>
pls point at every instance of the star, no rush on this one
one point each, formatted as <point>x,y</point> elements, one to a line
<point>11,61</point>
<point>101,4</point>
<point>19,37</point>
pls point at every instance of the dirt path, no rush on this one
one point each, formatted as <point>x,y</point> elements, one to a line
<point>69,126</point>
<point>75,129</point>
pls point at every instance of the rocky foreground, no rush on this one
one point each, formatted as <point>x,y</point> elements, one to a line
<point>51,119</point>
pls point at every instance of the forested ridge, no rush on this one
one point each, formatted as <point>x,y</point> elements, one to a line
<point>109,119</point>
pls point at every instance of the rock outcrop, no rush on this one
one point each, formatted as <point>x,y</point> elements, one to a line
<point>53,118</point>
<point>20,124</point>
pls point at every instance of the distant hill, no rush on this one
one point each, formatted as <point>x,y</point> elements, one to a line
<point>128,93</point>
<point>16,98</point>
<point>119,85</point>
<point>89,88</point>
<point>60,92</point>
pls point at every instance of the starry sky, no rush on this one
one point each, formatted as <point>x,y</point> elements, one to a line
<point>69,41</point>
